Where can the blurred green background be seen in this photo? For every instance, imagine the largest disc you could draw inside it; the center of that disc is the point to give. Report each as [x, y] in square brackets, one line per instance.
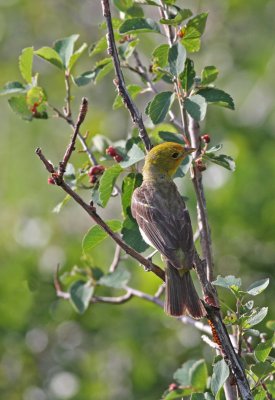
[130, 351]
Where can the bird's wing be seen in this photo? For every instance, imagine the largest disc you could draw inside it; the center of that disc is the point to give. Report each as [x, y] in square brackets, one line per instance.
[162, 216]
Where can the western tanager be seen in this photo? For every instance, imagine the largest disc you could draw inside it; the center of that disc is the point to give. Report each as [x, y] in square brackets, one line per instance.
[165, 224]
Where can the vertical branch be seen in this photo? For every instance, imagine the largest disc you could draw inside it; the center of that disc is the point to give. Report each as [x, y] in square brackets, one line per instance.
[120, 82]
[204, 228]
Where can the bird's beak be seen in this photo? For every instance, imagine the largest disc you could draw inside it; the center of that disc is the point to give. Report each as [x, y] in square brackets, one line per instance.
[189, 150]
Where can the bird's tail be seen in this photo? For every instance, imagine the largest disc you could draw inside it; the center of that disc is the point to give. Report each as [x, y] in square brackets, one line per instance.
[181, 296]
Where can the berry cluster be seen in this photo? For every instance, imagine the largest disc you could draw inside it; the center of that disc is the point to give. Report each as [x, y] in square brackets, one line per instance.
[112, 152]
[95, 172]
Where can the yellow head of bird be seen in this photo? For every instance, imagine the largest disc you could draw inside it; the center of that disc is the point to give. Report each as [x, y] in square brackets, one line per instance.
[166, 157]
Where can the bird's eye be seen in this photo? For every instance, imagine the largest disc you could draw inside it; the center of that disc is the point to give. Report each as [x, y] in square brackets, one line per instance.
[175, 155]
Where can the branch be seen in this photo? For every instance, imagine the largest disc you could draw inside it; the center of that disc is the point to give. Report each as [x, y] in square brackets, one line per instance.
[120, 82]
[204, 228]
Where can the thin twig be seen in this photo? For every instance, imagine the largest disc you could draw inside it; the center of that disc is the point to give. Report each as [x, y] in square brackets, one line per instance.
[67, 108]
[116, 259]
[80, 119]
[119, 81]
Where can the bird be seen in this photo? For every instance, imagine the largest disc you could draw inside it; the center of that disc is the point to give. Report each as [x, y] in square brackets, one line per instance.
[164, 223]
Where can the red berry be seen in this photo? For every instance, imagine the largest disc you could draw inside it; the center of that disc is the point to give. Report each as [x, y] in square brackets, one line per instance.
[118, 158]
[206, 138]
[93, 179]
[172, 386]
[96, 169]
[51, 181]
[111, 151]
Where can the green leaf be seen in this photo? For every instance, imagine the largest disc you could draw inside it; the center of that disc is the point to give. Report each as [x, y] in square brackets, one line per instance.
[123, 5]
[217, 97]
[160, 55]
[76, 55]
[171, 137]
[131, 235]
[101, 69]
[178, 18]
[133, 90]
[193, 31]
[219, 376]
[214, 149]
[96, 235]
[19, 105]
[80, 295]
[98, 47]
[199, 375]
[50, 55]
[65, 48]
[262, 350]
[160, 106]
[176, 59]
[192, 373]
[262, 369]
[135, 11]
[129, 184]
[209, 74]
[60, 205]
[188, 75]
[229, 282]
[139, 25]
[259, 394]
[25, 64]
[134, 155]
[196, 107]
[117, 279]
[107, 183]
[258, 287]
[256, 317]
[12, 87]
[222, 160]
[177, 394]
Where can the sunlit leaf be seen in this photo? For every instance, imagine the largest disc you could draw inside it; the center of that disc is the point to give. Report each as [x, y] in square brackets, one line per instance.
[176, 59]
[50, 55]
[25, 64]
[219, 376]
[258, 287]
[76, 55]
[209, 74]
[12, 87]
[262, 350]
[257, 316]
[134, 155]
[178, 18]
[65, 48]
[196, 107]
[107, 182]
[19, 105]
[96, 235]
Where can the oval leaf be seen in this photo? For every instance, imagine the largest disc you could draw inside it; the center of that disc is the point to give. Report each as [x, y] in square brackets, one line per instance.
[25, 64]
[65, 48]
[107, 183]
[196, 107]
[176, 59]
[129, 184]
[80, 295]
[258, 287]
[117, 279]
[160, 106]
[139, 25]
[220, 374]
[263, 349]
[217, 97]
[209, 74]
[96, 235]
[50, 55]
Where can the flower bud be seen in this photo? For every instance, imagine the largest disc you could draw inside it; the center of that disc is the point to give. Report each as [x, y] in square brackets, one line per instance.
[111, 151]
[206, 138]
[96, 170]
[51, 181]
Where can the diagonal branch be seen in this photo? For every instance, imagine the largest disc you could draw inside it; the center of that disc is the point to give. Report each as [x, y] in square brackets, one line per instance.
[120, 82]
